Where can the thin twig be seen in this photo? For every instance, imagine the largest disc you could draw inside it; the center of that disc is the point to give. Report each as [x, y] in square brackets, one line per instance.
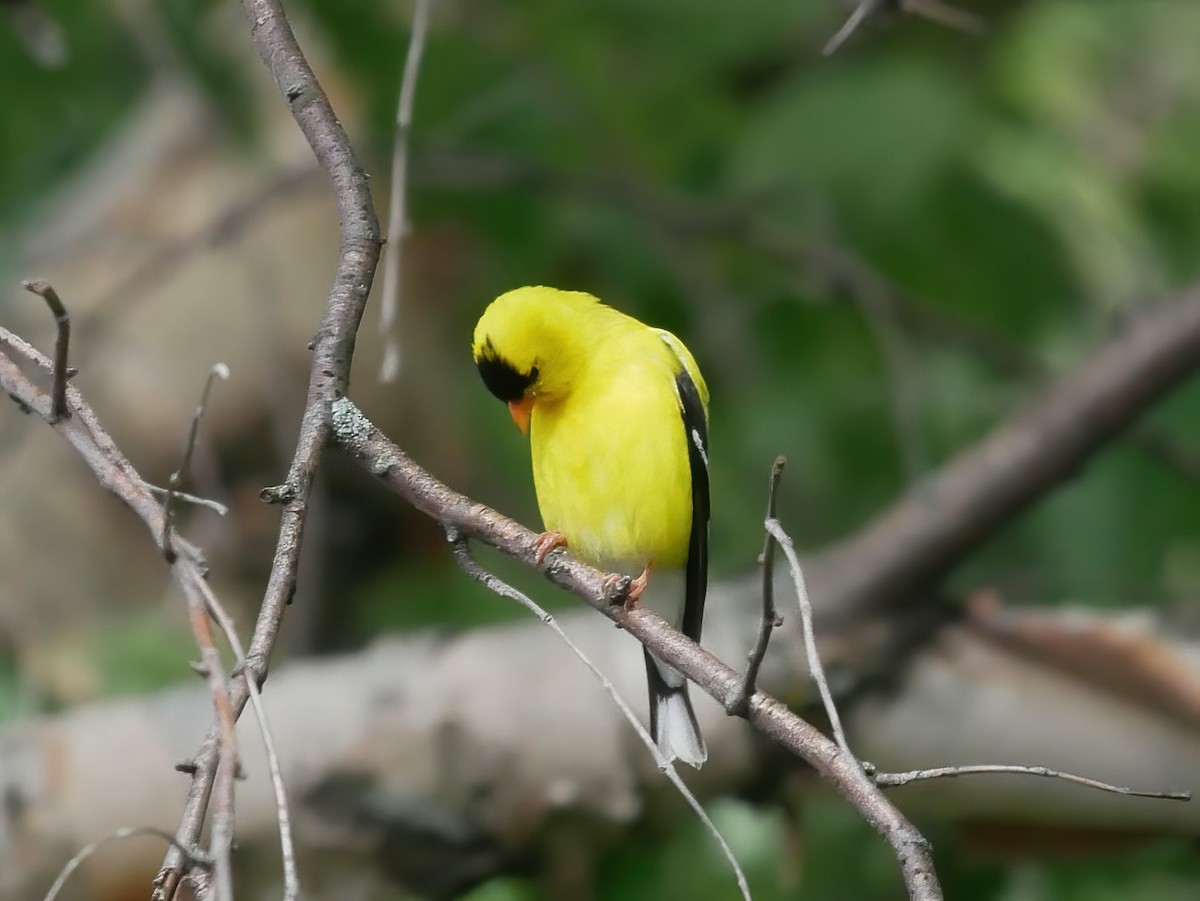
[771, 619]
[329, 374]
[287, 846]
[218, 371]
[291, 879]
[931, 10]
[860, 14]
[203, 603]
[462, 555]
[810, 642]
[114, 472]
[221, 840]
[889, 780]
[182, 496]
[58, 407]
[398, 224]
[195, 856]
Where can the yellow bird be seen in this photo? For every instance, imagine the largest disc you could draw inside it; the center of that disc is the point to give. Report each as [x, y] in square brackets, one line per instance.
[617, 416]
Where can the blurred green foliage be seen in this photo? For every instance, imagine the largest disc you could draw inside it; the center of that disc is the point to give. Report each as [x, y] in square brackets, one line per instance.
[54, 117]
[703, 167]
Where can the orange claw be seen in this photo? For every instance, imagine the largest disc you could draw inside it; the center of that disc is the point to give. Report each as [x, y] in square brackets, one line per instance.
[637, 586]
[545, 543]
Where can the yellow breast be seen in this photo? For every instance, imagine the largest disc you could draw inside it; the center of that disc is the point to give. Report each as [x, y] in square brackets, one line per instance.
[610, 460]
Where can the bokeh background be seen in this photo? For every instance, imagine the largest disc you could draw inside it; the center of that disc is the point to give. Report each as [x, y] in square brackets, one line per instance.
[874, 256]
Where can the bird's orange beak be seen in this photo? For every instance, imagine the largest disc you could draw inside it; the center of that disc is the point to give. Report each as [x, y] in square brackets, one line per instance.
[521, 410]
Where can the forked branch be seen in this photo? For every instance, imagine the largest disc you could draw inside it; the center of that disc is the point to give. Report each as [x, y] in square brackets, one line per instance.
[372, 450]
[332, 349]
[62, 346]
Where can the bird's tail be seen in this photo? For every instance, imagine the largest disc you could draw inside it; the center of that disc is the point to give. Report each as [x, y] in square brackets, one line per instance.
[672, 720]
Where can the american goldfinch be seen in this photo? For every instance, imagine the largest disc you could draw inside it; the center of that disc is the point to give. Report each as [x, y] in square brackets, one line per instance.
[617, 416]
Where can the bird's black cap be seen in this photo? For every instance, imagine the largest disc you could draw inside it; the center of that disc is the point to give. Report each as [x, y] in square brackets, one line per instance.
[501, 377]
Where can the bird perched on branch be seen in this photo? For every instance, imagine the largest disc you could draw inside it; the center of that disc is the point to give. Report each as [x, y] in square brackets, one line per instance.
[617, 415]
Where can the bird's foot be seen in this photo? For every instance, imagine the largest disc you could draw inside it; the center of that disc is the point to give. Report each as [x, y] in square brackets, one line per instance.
[615, 588]
[629, 594]
[545, 543]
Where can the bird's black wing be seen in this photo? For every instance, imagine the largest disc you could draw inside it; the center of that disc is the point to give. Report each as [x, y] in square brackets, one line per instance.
[695, 426]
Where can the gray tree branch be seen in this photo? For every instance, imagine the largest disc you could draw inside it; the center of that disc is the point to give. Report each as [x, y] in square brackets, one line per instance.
[333, 349]
[939, 521]
[371, 449]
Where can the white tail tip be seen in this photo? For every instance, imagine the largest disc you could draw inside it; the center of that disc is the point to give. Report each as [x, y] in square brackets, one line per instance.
[678, 733]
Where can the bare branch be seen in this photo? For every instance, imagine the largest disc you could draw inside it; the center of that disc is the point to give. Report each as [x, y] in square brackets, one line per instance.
[815, 669]
[481, 673]
[1104, 394]
[114, 472]
[291, 879]
[860, 14]
[398, 224]
[936, 523]
[367, 446]
[845, 274]
[83, 431]
[198, 596]
[889, 780]
[332, 351]
[218, 371]
[462, 555]
[1148, 360]
[334, 343]
[182, 496]
[771, 619]
[221, 840]
[933, 10]
[194, 856]
[58, 409]
[1015, 360]
[326, 409]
